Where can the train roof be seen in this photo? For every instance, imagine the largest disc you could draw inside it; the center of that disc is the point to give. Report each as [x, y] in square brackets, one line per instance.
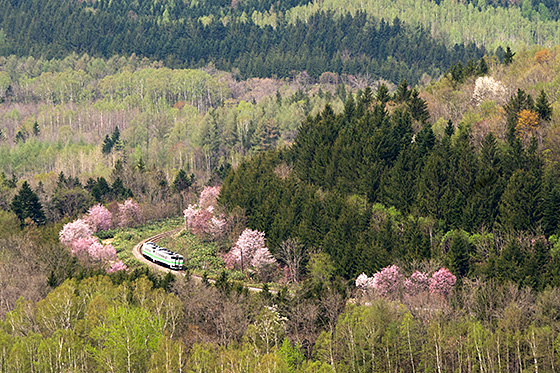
[161, 250]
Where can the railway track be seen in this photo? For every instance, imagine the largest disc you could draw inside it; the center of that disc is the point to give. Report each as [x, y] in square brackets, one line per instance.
[137, 252]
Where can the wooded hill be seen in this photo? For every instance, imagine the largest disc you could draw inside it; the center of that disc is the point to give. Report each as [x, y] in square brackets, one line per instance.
[185, 37]
[373, 185]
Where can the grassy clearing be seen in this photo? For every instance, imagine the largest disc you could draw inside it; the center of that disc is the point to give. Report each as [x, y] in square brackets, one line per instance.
[125, 240]
[200, 256]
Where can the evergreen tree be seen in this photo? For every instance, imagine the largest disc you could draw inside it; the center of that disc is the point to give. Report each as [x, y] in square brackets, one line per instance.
[341, 92]
[349, 108]
[536, 266]
[434, 192]
[116, 136]
[470, 68]
[382, 95]
[457, 73]
[182, 181]
[520, 203]
[482, 67]
[107, 145]
[508, 56]
[418, 107]
[402, 93]
[426, 139]
[449, 129]
[36, 129]
[26, 204]
[20, 136]
[459, 254]
[100, 190]
[482, 203]
[516, 103]
[551, 210]
[543, 107]
[119, 191]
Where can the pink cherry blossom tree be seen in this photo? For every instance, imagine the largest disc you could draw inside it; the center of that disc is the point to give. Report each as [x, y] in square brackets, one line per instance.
[91, 250]
[217, 226]
[75, 230]
[201, 221]
[189, 214]
[99, 218]
[103, 253]
[117, 266]
[81, 246]
[129, 213]
[442, 282]
[248, 243]
[417, 283]
[264, 263]
[387, 281]
[208, 196]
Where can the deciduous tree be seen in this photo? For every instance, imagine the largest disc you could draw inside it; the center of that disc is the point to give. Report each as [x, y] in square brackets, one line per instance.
[442, 282]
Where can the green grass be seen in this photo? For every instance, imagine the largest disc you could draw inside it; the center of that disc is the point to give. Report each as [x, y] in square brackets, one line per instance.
[199, 255]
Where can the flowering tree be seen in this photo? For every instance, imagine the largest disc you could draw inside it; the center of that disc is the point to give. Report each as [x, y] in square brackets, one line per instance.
[103, 253]
[200, 218]
[217, 227]
[99, 218]
[387, 281]
[208, 196]
[75, 230]
[248, 243]
[190, 213]
[487, 88]
[78, 235]
[90, 248]
[442, 282]
[418, 282]
[82, 246]
[117, 266]
[129, 213]
[201, 221]
[364, 283]
[264, 263]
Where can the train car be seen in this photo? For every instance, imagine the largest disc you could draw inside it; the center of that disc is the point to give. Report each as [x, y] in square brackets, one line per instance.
[162, 256]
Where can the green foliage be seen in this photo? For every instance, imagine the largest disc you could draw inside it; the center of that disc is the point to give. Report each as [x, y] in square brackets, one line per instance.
[182, 181]
[543, 107]
[26, 205]
[291, 354]
[508, 56]
[230, 40]
[127, 332]
[349, 164]
[200, 256]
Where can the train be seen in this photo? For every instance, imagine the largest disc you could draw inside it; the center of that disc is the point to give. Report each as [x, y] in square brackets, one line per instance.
[162, 256]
